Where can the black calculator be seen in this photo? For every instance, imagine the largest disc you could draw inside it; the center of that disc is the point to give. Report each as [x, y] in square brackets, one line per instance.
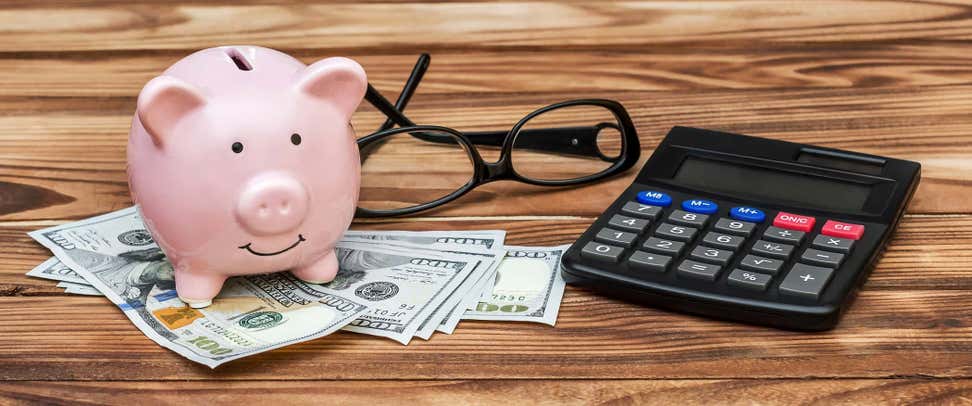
[745, 228]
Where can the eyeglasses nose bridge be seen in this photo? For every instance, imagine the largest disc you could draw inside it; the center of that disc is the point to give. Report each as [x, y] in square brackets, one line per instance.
[496, 171]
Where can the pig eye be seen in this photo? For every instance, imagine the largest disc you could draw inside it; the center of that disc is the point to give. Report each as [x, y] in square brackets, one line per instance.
[295, 139]
[237, 147]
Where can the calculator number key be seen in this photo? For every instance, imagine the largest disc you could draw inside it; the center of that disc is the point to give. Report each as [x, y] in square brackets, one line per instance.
[615, 237]
[729, 242]
[714, 255]
[826, 242]
[628, 223]
[698, 270]
[806, 281]
[671, 231]
[731, 226]
[667, 247]
[641, 210]
[602, 252]
[772, 249]
[688, 219]
[749, 280]
[760, 264]
[783, 235]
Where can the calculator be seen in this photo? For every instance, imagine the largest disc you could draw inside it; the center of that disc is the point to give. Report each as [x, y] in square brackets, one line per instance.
[744, 228]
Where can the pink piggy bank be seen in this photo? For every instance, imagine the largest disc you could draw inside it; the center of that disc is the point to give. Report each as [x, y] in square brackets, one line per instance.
[242, 160]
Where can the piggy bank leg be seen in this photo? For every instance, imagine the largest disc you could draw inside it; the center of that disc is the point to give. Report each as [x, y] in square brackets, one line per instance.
[321, 271]
[198, 289]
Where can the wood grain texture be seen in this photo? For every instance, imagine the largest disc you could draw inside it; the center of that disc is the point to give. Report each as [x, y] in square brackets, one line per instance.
[541, 392]
[904, 322]
[883, 77]
[90, 27]
[76, 147]
[122, 74]
[912, 260]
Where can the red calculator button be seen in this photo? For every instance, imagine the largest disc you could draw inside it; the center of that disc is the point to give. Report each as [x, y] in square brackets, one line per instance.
[842, 230]
[794, 221]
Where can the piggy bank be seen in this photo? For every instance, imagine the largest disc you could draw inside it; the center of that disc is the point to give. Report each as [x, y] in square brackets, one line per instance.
[242, 160]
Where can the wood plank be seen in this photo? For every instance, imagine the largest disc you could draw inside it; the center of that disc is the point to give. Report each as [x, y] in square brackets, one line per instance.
[903, 322]
[885, 334]
[743, 67]
[919, 244]
[543, 392]
[88, 27]
[64, 157]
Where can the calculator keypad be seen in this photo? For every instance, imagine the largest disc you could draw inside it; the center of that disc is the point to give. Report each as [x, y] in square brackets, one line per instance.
[702, 245]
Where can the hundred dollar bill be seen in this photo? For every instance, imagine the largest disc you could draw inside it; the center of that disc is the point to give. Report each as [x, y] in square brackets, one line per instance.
[484, 284]
[452, 305]
[252, 314]
[79, 289]
[486, 244]
[55, 270]
[461, 241]
[528, 287]
[401, 286]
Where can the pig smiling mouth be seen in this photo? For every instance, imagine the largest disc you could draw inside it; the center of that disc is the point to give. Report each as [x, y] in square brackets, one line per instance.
[300, 239]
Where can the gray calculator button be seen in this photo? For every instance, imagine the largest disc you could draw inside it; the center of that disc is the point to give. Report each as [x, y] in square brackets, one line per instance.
[628, 223]
[749, 279]
[641, 210]
[760, 264]
[714, 255]
[805, 281]
[688, 219]
[772, 249]
[698, 270]
[822, 258]
[612, 236]
[667, 247]
[671, 231]
[649, 261]
[826, 242]
[729, 242]
[731, 226]
[603, 252]
[783, 235]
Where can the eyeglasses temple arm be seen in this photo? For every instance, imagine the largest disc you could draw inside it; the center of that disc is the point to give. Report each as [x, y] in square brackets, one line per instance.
[385, 107]
[418, 71]
[579, 140]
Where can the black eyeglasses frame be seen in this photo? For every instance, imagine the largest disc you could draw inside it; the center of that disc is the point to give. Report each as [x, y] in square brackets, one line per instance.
[503, 169]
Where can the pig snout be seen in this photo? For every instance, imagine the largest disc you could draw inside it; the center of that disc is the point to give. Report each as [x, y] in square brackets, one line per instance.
[272, 204]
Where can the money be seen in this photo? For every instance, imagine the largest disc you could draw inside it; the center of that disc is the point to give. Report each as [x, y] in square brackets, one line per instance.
[79, 289]
[402, 287]
[392, 284]
[528, 287]
[460, 241]
[485, 243]
[252, 314]
[54, 269]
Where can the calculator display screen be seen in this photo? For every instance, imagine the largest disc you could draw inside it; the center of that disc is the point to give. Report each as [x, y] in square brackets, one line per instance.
[768, 184]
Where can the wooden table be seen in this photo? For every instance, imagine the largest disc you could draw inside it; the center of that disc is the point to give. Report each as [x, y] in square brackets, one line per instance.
[888, 78]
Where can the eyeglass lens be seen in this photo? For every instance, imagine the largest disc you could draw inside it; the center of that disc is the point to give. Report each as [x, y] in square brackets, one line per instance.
[567, 143]
[406, 170]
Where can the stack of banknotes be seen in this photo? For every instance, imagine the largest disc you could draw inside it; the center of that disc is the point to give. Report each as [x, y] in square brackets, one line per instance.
[392, 284]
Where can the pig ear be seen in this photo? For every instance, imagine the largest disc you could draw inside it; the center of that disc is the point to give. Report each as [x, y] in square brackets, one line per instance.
[163, 102]
[339, 81]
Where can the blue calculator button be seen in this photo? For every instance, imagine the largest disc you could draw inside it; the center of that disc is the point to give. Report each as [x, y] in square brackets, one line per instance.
[653, 198]
[700, 206]
[747, 214]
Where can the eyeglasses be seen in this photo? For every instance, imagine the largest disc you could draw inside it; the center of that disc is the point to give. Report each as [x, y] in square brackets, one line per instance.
[413, 168]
